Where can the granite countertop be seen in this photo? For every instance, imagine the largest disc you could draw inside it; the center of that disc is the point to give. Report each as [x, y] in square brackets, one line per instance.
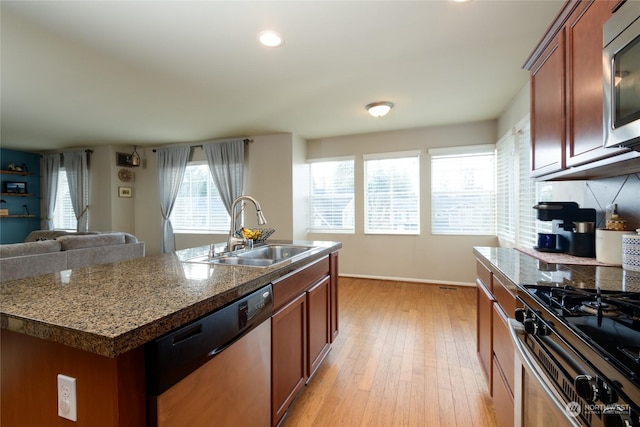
[523, 269]
[113, 308]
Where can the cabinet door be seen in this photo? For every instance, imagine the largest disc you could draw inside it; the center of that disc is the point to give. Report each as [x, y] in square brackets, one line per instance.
[485, 330]
[333, 261]
[584, 83]
[318, 323]
[548, 109]
[288, 355]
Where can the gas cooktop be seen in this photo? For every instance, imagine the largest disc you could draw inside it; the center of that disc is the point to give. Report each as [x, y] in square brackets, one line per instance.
[608, 321]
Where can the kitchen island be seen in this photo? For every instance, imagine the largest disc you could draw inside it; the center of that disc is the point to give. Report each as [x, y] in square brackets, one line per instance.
[92, 324]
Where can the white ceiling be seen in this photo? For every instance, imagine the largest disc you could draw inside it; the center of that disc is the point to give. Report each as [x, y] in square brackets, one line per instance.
[153, 72]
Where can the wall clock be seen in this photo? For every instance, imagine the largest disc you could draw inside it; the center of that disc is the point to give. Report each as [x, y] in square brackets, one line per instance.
[125, 175]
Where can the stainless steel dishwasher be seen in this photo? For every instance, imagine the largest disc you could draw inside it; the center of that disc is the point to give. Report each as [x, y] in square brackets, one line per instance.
[215, 371]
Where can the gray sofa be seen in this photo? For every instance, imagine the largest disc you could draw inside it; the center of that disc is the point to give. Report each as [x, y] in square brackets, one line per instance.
[49, 251]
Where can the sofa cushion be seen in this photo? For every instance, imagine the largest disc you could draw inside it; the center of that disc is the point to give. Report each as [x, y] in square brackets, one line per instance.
[38, 235]
[31, 248]
[103, 254]
[89, 241]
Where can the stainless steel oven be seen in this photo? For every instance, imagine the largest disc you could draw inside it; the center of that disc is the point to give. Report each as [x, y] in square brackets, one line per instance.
[537, 401]
[577, 357]
[621, 77]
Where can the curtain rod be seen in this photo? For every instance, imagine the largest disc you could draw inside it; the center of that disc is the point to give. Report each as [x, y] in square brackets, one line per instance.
[246, 141]
[70, 151]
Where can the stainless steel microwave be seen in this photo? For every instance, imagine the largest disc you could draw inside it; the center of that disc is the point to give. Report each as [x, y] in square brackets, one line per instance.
[621, 77]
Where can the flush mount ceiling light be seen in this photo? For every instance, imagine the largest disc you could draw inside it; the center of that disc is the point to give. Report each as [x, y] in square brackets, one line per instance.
[379, 109]
[270, 39]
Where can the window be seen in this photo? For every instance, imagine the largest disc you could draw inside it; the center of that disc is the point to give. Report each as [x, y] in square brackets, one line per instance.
[463, 190]
[198, 206]
[331, 207]
[528, 190]
[63, 216]
[517, 192]
[392, 193]
[507, 179]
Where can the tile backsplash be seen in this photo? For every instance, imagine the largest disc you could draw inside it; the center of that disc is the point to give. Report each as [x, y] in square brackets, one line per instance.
[597, 194]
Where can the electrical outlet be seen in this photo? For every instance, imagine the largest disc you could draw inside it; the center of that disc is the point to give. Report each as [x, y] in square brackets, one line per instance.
[67, 404]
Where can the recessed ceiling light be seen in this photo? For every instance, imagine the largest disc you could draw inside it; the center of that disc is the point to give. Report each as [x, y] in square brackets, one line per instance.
[270, 38]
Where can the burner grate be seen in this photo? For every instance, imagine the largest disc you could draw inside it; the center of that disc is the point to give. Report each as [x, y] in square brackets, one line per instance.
[578, 302]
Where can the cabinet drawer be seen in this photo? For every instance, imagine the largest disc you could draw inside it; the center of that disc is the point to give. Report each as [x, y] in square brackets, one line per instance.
[502, 399]
[503, 347]
[484, 274]
[298, 281]
[504, 296]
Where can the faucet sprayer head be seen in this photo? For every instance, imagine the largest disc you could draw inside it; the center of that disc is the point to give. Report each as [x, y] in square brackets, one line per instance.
[261, 219]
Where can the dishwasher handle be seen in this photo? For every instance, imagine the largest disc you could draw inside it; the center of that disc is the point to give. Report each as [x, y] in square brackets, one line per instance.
[213, 353]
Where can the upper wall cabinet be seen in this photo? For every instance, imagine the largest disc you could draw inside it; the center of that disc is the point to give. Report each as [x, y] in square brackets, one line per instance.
[566, 95]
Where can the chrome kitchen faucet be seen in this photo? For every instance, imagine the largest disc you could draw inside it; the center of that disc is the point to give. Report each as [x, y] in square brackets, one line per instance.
[234, 242]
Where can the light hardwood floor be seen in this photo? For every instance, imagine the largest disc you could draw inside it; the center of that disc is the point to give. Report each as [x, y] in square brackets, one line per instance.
[405, 356]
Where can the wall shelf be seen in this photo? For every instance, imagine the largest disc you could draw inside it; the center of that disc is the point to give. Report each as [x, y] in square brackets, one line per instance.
[17, 194]
[22, 209]
[15, 173]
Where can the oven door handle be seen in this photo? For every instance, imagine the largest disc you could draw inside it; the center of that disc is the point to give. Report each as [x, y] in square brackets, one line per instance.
[515, 330]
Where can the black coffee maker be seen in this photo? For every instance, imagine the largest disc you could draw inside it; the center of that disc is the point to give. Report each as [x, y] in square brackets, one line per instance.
[574, 227]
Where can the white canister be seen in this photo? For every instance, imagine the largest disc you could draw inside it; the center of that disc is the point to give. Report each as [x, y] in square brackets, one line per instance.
[631, 251]
[609, 246]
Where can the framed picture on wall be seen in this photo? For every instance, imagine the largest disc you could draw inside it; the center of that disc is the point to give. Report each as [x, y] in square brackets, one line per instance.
[123, 159]
[125, 192]
[15, 187]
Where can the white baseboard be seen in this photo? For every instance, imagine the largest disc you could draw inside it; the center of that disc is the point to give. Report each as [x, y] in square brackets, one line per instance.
[408, 279]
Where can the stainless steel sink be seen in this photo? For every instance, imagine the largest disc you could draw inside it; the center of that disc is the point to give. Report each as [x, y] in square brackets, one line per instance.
[274, 252]
[262, 256]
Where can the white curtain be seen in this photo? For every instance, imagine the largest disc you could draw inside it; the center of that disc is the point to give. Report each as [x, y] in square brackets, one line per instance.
[50, 171]
[172, 163]
[226, 164]
[78, 177]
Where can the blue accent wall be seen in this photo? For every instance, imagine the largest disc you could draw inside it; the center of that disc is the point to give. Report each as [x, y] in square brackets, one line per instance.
[14, 230]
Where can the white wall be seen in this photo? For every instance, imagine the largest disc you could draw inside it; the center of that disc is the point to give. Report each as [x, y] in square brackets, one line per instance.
[518, 108]
[270, 181]
[427, 257]
[147, 202]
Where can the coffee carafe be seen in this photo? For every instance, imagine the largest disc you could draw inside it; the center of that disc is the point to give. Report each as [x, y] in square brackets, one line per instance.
[573, 227]
[582, 239]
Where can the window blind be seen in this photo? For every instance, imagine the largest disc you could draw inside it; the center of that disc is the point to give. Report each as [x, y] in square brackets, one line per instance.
[392, 193]
[527, 236]
[463, 190]
[506, 186]
[331, 196]
[63, 216]
[198, 206]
